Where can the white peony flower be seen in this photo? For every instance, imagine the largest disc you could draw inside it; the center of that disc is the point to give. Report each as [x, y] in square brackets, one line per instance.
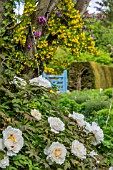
[13, 140]
[79, 118]
[92, 153]
[1, 145]
[111, 168]
[56, 124]
[78, 149]
[35, 113]
[97, 131]
[87, 127]
[4, 162]
[55, 153]
[40, 81]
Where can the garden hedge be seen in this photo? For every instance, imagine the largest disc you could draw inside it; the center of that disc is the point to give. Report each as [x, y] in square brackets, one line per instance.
[90, 75]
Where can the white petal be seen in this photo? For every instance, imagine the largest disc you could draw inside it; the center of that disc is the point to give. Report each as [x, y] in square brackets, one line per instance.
[4, 162]
[11, 153]
[1, 144]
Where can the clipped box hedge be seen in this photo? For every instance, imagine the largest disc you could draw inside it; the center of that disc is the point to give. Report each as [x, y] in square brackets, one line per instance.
[90, 75]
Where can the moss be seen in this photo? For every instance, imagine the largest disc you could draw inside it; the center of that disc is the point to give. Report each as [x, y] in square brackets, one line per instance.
[108, 79]
[96, 71]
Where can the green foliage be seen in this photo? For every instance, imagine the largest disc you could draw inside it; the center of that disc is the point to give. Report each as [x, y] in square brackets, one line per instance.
[86, 101]
[15, 111]
[103, 37]
[103, 57]
[95, 105]
[108, 10]
[81, 99]
[101, 117]
[98, 26]
[18, 101]
[98, 105]
[63, 59]
[108, 92]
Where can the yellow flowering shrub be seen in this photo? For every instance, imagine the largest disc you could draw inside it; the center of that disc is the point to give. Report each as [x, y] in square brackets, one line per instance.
[65, 27]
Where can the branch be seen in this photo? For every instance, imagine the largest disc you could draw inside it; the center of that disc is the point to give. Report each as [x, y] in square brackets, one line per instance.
[52, 5]
[82, 5]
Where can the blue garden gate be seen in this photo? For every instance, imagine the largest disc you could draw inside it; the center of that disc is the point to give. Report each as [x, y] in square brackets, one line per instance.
[59, 81]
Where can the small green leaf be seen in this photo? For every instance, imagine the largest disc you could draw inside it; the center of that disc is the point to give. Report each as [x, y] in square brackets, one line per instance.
[1, 155]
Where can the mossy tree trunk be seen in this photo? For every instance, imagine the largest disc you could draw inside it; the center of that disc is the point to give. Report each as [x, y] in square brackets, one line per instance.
[45, 9]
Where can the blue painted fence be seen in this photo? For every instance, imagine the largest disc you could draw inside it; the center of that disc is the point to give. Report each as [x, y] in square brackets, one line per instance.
[60, 81]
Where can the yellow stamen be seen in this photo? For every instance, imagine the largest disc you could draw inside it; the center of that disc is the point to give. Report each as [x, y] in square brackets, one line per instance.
[12, 138]
[57, 153]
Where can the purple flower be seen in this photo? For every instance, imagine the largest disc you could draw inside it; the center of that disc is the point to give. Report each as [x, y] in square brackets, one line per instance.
[59, 14]
[39, 19]
[34, 33]
[29, 46]
[84, 17]
[86, 12]
[100, 15]
[42, 19]
[39, 34]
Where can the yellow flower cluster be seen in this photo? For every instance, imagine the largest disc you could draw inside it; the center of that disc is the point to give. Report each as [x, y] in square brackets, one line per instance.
[48, 70]
[19, 35]
[29, 8]
[44, 51]
[68, 29]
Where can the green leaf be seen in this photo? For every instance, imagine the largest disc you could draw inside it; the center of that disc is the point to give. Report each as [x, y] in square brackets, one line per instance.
[17, 163]
[12, 168]
[3, 30]
[7, 5]
[4, 22]
[6, 38]
[16, 101]
[2, 154]
[6, 13]
[25, 101]
[67, 165]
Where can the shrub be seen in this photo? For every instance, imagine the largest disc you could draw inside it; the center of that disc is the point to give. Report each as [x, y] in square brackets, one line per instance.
[108, 92]
[39, 132]
[69, 103]
[81, 99]
[95, 105]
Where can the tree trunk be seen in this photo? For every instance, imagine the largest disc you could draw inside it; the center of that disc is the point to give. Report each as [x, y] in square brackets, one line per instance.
[44, 9]
[82, 5]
